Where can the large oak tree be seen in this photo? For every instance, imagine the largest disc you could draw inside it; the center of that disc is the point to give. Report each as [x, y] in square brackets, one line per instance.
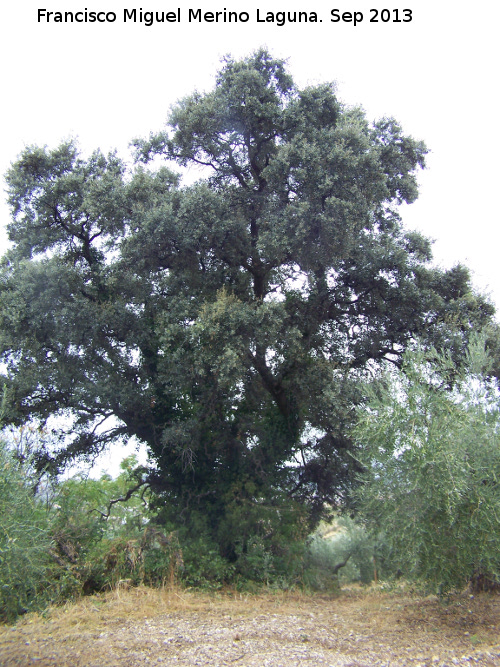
[223, 323]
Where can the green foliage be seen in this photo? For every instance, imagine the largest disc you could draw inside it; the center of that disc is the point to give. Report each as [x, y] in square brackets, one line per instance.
[225, 324]
[132, 557]
[432, 469]
[78, 540]
[265, 541]
[204, 567]
[99, 540]
[253, 543]
[345, 552]
[26, 568]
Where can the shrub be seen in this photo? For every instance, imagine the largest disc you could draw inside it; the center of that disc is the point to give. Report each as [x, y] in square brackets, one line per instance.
[204, 567]
[26, 566]
[345, 552]
[98, 540]
[432, 480]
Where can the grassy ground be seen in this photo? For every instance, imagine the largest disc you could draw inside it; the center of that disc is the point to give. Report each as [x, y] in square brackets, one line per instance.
[358, 627]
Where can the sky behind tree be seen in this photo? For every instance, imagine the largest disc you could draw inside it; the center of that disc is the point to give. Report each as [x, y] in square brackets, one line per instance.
[106, 83]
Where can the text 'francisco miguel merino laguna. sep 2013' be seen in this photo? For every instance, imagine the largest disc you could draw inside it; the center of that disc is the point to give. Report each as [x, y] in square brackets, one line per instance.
[197, 15]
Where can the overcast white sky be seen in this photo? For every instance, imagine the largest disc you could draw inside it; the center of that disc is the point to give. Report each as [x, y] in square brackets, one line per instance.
[438, 75]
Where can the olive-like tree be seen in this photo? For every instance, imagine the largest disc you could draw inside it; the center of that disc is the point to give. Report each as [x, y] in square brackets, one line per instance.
[432, 468]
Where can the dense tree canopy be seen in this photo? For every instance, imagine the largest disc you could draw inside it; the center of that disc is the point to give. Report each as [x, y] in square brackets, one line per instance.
[223, 323]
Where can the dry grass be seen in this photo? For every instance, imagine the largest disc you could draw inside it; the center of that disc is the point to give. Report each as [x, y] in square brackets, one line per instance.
[131, 627]
[136, 604]
[91, 614]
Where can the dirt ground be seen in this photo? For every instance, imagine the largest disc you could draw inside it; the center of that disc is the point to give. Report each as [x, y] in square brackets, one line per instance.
[174, 627]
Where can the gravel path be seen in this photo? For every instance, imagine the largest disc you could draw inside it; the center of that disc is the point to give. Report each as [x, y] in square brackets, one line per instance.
[358, 631]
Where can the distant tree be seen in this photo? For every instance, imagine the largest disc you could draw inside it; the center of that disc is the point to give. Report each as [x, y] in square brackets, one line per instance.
[225, 324]
[431, 481]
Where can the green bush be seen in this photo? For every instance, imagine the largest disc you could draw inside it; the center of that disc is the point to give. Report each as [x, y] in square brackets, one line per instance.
[432, 480]
[265, 541]
[204, 567]
[346, 543]
[101, 541]
[151, 557]
[245, 540]
[27, 569]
